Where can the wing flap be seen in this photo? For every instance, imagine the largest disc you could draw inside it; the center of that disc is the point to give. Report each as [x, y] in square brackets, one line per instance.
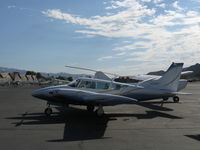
[181, 93]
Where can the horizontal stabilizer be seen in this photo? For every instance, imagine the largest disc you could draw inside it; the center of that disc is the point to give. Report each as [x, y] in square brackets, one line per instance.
[181, 93]
[186, 72]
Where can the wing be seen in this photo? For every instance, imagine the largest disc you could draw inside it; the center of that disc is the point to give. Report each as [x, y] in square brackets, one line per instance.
[145, 77]
[87, 97]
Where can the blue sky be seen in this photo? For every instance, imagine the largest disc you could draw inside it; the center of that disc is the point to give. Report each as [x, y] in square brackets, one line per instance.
[121, 36]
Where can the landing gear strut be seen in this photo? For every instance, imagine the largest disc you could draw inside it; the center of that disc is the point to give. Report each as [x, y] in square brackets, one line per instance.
[164, 99]
[176, 99]
[48, 111]
[100, 111]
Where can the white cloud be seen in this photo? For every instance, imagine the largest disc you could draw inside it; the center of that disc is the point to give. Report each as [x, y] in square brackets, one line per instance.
[126, 41]
[120, 54]
[198, 1]
[157, 1]
[105, 58]
[104, 25]
[116, 25]
[181, 46]
[163, 37]
[154, 1]
[163, 5]
[146, 0]
[175, 5]
[124, 3]
[172, 18]
[11, 6]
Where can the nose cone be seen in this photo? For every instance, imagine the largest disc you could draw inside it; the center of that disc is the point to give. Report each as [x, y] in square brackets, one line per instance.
[37, 93]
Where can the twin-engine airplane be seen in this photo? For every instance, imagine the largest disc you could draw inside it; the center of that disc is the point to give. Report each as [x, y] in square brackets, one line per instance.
[93, 92]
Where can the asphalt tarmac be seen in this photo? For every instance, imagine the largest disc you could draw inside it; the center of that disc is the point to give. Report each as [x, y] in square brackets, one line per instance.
[23, 126]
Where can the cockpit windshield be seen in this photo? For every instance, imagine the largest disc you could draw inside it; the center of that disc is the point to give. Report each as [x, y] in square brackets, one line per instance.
[74, 83]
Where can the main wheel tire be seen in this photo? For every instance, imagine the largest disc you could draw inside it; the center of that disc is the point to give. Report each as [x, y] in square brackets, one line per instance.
[176, 99]
[90, 108]
[48, 111]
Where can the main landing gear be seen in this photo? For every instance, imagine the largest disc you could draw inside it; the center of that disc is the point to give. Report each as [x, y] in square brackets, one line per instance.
[176, 99]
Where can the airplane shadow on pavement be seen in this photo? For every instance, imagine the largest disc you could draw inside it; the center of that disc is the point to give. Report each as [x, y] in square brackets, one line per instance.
[80, 124]
[195, 137]
[155, 105]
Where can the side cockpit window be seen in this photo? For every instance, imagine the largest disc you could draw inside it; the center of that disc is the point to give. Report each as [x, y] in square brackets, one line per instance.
[102, 85]
[87, 84]
[116, 86]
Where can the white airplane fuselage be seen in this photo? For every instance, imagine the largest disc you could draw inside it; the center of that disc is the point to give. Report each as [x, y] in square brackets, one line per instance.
[96, 92]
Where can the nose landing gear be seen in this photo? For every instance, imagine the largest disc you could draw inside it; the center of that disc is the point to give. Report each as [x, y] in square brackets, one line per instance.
[90, 108]
[99, 112]
[48, 111]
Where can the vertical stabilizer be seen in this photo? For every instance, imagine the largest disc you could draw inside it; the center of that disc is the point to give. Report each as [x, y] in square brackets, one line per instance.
[169, 81]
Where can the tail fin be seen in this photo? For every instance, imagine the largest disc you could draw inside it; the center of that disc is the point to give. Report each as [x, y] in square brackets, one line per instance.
[170, 80]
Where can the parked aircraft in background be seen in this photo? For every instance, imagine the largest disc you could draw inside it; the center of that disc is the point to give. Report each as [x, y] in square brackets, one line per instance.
[93, 92]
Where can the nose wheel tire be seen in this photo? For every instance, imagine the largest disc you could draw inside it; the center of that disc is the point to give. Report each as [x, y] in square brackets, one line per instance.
[176, 99]
[48, 111]
[99, 112]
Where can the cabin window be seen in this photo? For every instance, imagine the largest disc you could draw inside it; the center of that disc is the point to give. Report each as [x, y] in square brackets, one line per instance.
[116, 86]
[87, 84]
[102, 85]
